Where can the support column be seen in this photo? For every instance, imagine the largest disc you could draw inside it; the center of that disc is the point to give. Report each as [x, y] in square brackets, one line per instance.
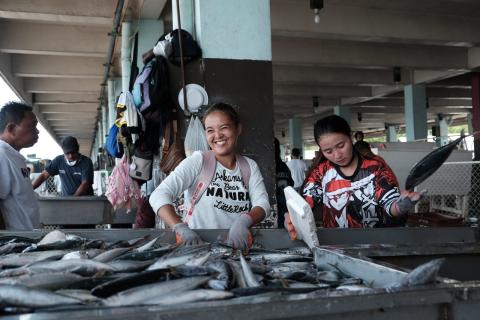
[149, 31]
[111, 102]
[415, 112]
[443, 132]
[343, 112]
[295, 136]
[104, 122]
[237, 68]
[391, 133]
[476, 113]
[126, 54]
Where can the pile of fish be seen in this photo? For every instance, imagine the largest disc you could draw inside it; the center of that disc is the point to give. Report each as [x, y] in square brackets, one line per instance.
[67, 270]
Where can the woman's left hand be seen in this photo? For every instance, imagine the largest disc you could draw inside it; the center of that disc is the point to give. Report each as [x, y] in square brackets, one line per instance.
[407, 201]
[239, 236]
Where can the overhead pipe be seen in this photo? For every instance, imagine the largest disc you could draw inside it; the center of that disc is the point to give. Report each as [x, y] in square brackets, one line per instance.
[111, 48]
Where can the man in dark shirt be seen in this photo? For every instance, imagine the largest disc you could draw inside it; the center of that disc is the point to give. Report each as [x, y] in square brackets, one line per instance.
[75, 170]
[283, 178]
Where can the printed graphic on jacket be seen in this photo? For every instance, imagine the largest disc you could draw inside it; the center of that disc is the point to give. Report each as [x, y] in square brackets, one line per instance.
[229, 193]
[363, 200]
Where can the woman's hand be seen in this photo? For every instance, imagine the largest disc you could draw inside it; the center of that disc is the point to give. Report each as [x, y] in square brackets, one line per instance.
[185, 235]
[239, 236]
[288, 225]
[407, 201]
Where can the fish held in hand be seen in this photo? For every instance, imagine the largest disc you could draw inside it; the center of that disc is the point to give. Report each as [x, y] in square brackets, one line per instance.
[430, 163]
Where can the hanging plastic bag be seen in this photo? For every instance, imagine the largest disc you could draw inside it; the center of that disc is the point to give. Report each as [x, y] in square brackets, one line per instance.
[122, 190]
[195, 139]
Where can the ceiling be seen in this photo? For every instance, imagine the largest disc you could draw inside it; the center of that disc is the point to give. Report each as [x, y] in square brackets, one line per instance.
[54, 53]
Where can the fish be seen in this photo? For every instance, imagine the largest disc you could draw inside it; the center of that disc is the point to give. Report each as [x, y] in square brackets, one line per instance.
[225, 279]
[190, 296]
[355, 288]
[53, 237]
[49, 280]
[148, 245]
[294, 270]
[83, 295]
[21, 296]
[129, 265]
[21, 259]
[182, 255]
[111, 254]
[82, 254]
[430, 163]
[112, 286]
[10, 247]
[273, 258]
[83, 267]
[249, 276]
[139, 295]
[423, 274]
[146, 255]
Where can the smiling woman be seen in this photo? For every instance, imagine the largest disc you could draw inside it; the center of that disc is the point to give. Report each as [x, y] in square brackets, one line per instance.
[46, 147]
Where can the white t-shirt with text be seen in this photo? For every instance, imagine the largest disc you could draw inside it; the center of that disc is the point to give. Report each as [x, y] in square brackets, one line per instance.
[225, 199]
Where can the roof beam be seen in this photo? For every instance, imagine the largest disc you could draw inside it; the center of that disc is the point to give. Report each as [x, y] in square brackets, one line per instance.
[62, 86]
[321, 91]
[289, 18]
[57, 67]
[361, 54]
[62, 99]
[335, 76]
[53, 39]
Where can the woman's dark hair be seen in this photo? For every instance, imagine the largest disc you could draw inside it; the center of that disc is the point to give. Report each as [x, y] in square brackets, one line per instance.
[226, 108]
[331, 124]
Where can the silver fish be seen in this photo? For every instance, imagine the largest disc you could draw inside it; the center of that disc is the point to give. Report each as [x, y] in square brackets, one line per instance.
[82, 254]
[52, 237]
[359, 288]
[278, 258]
[111, 254]
[129, 265]
[423, 274]
[224, 279]
[82, 295]
[50, 281]
[79, 266]
[139, 295]
[21, 296]
[249, 276]
[190, 296]
[149, 245]
[21, 259]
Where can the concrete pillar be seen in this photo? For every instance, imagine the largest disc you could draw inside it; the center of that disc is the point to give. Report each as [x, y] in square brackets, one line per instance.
[469, 123]
[104, 121]
[415, 112]
[391, 133]
[443, 132]
[126, 54]
[111, 102]
[237, 68]
[476, 113]
[343, 112]
[295, 136]
[149, 31]
[187, 15]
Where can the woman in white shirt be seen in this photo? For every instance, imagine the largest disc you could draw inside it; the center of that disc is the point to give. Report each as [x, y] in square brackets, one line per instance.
[226, 203]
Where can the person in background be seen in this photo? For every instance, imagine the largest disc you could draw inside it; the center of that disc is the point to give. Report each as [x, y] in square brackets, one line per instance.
[297, 167]
[283, 178]
[358, 136]
[352, 190]
[226, 203]
[363, 148]
[18, 203]
[75, 170]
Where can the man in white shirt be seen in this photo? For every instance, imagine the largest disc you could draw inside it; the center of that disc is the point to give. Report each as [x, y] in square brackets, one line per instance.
[297, 167]
[18, 203]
